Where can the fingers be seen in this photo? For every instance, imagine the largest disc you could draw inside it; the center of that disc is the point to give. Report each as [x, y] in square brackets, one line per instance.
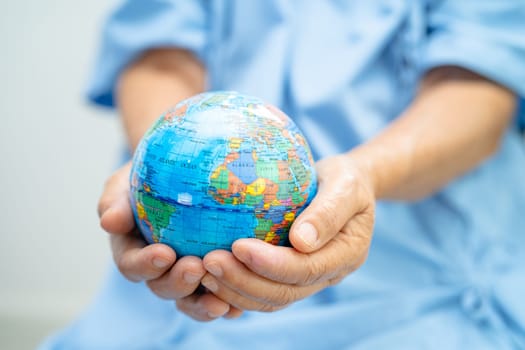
[232, 297]
[337, 201]
[113, 208]
[331, 239]
[232, 282]
[263, 277]
[203, 307]
[139, 262]
[340, 256]
[154, 263]
[181, 280]
[181, 284]
[282, 264]
[233, 313]
[135, 260]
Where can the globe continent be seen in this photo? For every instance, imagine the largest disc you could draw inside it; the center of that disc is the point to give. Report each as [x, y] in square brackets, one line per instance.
[217, 167]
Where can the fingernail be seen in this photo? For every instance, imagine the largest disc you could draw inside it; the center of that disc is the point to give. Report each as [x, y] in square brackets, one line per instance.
[241, 252]
[213, 315]
[104, 215]
[105, 212]
[191, 278]
[210, 284]
[214, 269]
[160, 263]
[308, 234]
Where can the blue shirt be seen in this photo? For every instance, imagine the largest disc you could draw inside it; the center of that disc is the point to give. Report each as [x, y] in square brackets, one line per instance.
[447, 272]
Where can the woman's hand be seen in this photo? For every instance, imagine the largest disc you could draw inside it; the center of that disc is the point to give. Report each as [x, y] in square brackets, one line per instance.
[330, 239]
[417, 154]
[156, 264]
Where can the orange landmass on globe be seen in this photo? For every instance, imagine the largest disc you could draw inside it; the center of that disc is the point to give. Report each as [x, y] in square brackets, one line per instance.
[176, 113]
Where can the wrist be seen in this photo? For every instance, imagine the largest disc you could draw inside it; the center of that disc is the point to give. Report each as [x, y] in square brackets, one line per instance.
[363, 168]
[384, 168]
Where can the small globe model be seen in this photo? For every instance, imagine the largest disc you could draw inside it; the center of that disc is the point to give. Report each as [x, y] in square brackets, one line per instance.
[217, 167]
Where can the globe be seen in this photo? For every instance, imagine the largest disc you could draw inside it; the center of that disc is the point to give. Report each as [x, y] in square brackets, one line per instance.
[217, 167]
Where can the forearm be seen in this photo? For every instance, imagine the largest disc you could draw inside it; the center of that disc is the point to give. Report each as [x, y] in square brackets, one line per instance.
[456, 121]
[153, 83]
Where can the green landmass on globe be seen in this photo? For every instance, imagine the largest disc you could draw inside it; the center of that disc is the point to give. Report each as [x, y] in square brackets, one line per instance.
[217, 167]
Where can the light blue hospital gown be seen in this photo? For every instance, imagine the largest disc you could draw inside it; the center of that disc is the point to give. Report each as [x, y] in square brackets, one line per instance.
[447, 272]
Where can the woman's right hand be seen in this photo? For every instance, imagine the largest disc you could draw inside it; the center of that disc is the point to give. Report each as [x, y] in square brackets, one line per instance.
[155, 264]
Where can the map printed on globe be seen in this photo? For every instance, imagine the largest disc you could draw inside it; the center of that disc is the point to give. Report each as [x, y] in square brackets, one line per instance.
[217, 167]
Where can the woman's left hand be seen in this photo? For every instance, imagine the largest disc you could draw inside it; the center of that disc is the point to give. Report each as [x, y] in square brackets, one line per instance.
[330, 240]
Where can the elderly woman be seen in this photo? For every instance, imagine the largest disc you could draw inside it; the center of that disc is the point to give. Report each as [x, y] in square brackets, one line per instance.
[409, 107]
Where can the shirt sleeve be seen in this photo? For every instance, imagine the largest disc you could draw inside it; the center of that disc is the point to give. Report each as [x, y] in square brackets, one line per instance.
[138, 25]
[485, 36]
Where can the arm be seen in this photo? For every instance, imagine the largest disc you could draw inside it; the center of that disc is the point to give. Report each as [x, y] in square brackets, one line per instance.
[456, 121]
[152, 84]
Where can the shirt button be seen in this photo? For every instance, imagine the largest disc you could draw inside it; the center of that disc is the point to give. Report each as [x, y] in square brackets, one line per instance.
[471, 300]
[476, 305]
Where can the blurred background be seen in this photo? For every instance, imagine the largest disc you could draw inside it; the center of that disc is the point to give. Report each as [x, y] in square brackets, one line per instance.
[56, 152]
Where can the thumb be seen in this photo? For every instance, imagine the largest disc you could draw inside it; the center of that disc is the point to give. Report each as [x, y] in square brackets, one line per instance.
[113, 207]
[334, 205]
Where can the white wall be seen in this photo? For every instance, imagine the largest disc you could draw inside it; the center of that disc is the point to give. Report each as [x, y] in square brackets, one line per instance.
[55, 153]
